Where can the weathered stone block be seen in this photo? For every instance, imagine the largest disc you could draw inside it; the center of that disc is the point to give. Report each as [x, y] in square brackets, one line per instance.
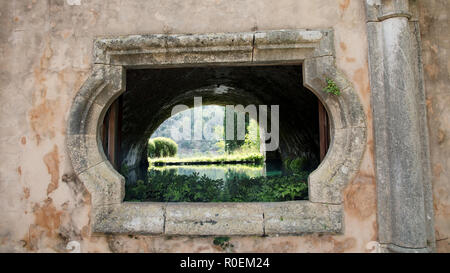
[130, 218]
[325, 183]
[285, 45]
[393, 8]
[315, 73]
[326, 44]
[86, 114]
[355, 113]
[297, 217]
[84, 152]
[78, 121]
[341, 162]
[335, 109]
[105, 83]
[214, 219]
[105, 185]
[138, 50]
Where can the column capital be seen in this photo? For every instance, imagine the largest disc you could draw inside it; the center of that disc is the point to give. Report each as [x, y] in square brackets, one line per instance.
[380, 10]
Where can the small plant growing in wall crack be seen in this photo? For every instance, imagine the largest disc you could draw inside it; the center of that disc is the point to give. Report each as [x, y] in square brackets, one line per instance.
[224, 243]
[332, 88]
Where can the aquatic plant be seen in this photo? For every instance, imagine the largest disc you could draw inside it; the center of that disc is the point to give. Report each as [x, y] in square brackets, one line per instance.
[170, 187]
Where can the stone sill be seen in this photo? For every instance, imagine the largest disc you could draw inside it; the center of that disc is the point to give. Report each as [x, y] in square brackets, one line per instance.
[203, 219]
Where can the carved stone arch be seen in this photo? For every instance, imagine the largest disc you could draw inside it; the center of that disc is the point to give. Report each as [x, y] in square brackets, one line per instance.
[348, 131]
[314, 49]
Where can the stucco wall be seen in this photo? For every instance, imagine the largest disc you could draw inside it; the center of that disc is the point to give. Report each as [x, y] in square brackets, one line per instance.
[46, 54]
[435, 33]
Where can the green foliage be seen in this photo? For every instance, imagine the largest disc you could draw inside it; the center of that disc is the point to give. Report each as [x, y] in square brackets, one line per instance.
[136, 193]
[166, 186]
[163, 147]
[223, 242]
[169, 187]
[124, 170]
[332, 88]
[297, 165]
[255, 158]
[251, 141]
[287, 164]
[219, 133]
[267, 189]
[151, 148]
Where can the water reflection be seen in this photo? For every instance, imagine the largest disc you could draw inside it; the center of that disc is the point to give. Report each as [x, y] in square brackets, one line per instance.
[226, 172]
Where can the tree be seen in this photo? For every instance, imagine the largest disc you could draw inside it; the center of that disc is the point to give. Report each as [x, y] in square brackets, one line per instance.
[162, 147]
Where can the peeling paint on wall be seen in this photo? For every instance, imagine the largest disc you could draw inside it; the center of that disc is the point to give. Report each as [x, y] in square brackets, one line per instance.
[51, 160]
[433, 19]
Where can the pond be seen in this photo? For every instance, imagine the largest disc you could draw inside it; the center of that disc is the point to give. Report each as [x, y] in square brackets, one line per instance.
[226, 172]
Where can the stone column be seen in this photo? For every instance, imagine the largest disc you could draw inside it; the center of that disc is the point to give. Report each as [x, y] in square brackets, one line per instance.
[401, 145]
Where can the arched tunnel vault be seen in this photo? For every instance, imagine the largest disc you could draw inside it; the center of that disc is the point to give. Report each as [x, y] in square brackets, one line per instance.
[114, 56]
[152, 93]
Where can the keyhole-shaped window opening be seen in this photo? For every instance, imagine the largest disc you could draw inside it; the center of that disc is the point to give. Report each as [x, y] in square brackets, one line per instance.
[199, 164]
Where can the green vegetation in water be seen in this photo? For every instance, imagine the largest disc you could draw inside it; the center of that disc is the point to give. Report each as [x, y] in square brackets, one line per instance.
[332, 88]
[170, 187]
[217, 171]
[254, 158]
[199, 168]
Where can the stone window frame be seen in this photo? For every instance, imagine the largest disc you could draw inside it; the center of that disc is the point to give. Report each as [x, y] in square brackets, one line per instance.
[314, 49]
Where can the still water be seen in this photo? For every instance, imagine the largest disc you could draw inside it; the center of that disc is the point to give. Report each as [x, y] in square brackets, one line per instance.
[225, 172]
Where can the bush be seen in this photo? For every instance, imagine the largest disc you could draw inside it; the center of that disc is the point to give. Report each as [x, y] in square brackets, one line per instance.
[286, 164]
[166, 186]
[268, 189]
[163, 147]
[297, 165]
